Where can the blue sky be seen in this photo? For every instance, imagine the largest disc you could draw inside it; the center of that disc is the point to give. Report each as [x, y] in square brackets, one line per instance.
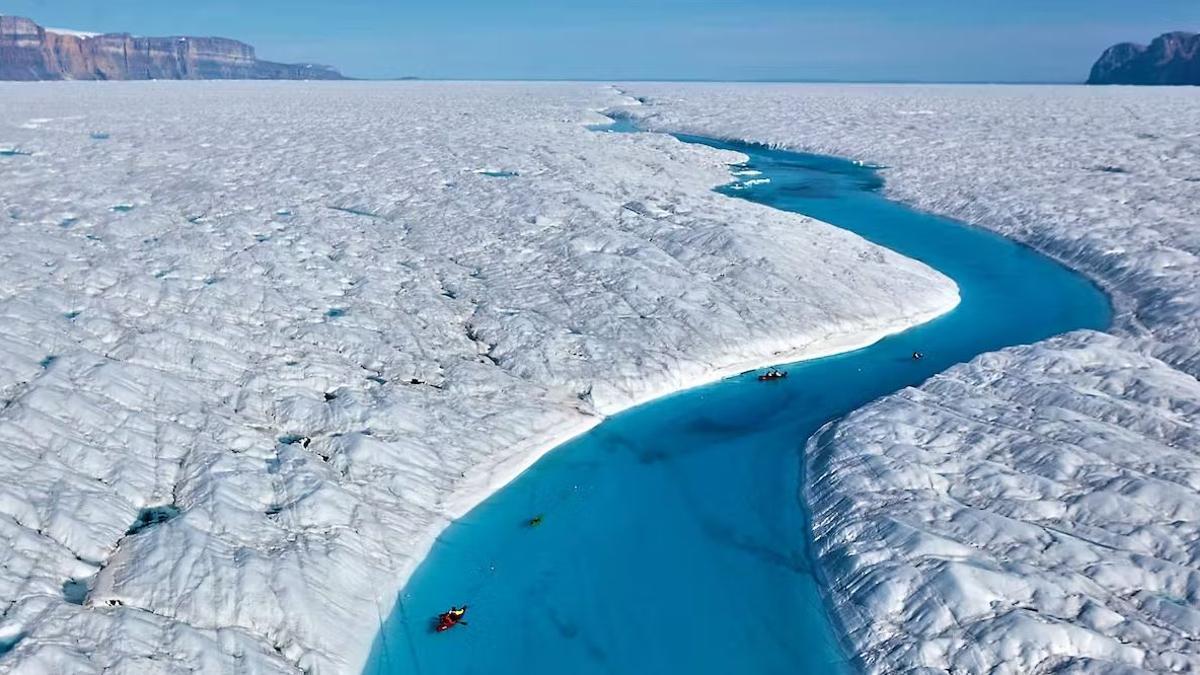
[927, 40]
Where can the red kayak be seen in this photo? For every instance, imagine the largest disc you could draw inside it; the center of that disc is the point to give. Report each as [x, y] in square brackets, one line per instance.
[448, 620]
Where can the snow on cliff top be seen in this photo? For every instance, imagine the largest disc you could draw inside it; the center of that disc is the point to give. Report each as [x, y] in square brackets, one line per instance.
[261, 341]
[75, 33]
[1035, 510]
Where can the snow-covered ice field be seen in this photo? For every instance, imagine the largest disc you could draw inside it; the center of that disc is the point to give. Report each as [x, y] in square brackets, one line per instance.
[260, 342]
[1035, 510]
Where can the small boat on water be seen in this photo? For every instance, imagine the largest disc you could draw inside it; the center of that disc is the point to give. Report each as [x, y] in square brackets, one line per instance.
[772, 374]
[450, 619]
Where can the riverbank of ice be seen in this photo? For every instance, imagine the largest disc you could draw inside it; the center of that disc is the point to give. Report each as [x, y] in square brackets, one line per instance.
[263, 340]
[1026, 512]
[1031, 511]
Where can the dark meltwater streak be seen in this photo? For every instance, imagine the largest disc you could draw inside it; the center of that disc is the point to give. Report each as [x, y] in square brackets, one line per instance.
[674, 537]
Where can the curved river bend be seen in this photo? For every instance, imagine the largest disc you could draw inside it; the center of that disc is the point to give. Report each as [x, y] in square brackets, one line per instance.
[674, 536]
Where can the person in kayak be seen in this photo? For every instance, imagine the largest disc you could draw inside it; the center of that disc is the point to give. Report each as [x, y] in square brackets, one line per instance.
[451, 618]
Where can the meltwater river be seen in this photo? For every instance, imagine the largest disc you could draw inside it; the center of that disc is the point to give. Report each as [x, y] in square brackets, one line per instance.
[674, 536]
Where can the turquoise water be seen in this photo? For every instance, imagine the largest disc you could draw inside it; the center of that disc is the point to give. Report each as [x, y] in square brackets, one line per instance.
[674, 537]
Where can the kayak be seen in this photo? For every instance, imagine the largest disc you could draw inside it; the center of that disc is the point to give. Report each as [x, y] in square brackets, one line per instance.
[447, 621]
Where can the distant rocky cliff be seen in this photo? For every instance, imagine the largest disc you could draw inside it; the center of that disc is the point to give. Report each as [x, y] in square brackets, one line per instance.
[31, 52]
[1173, 58]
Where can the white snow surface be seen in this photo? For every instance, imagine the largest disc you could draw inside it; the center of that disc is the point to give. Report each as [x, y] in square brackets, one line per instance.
[297, 313]
[1035, 510]
[74, 33]
[1032, 511]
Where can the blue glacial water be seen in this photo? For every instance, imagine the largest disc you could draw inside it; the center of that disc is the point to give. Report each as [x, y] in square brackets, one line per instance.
[674, 536]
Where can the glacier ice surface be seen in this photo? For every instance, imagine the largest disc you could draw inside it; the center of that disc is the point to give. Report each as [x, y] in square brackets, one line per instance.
[262, 343]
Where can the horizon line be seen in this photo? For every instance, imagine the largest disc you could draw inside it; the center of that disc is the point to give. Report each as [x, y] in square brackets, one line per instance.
[414, 78]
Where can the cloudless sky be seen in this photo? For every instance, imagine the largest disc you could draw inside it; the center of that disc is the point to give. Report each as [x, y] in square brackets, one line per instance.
[924, 40]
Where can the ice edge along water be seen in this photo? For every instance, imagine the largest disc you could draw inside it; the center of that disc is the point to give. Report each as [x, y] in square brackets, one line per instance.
[839, 344]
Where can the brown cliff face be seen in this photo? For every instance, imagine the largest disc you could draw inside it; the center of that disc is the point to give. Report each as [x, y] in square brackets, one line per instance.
[1171, 59]
[22, 55]
[30, 52]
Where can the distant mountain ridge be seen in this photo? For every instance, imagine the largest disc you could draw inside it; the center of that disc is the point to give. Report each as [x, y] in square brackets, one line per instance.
[30, 52]
[1172, 58]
